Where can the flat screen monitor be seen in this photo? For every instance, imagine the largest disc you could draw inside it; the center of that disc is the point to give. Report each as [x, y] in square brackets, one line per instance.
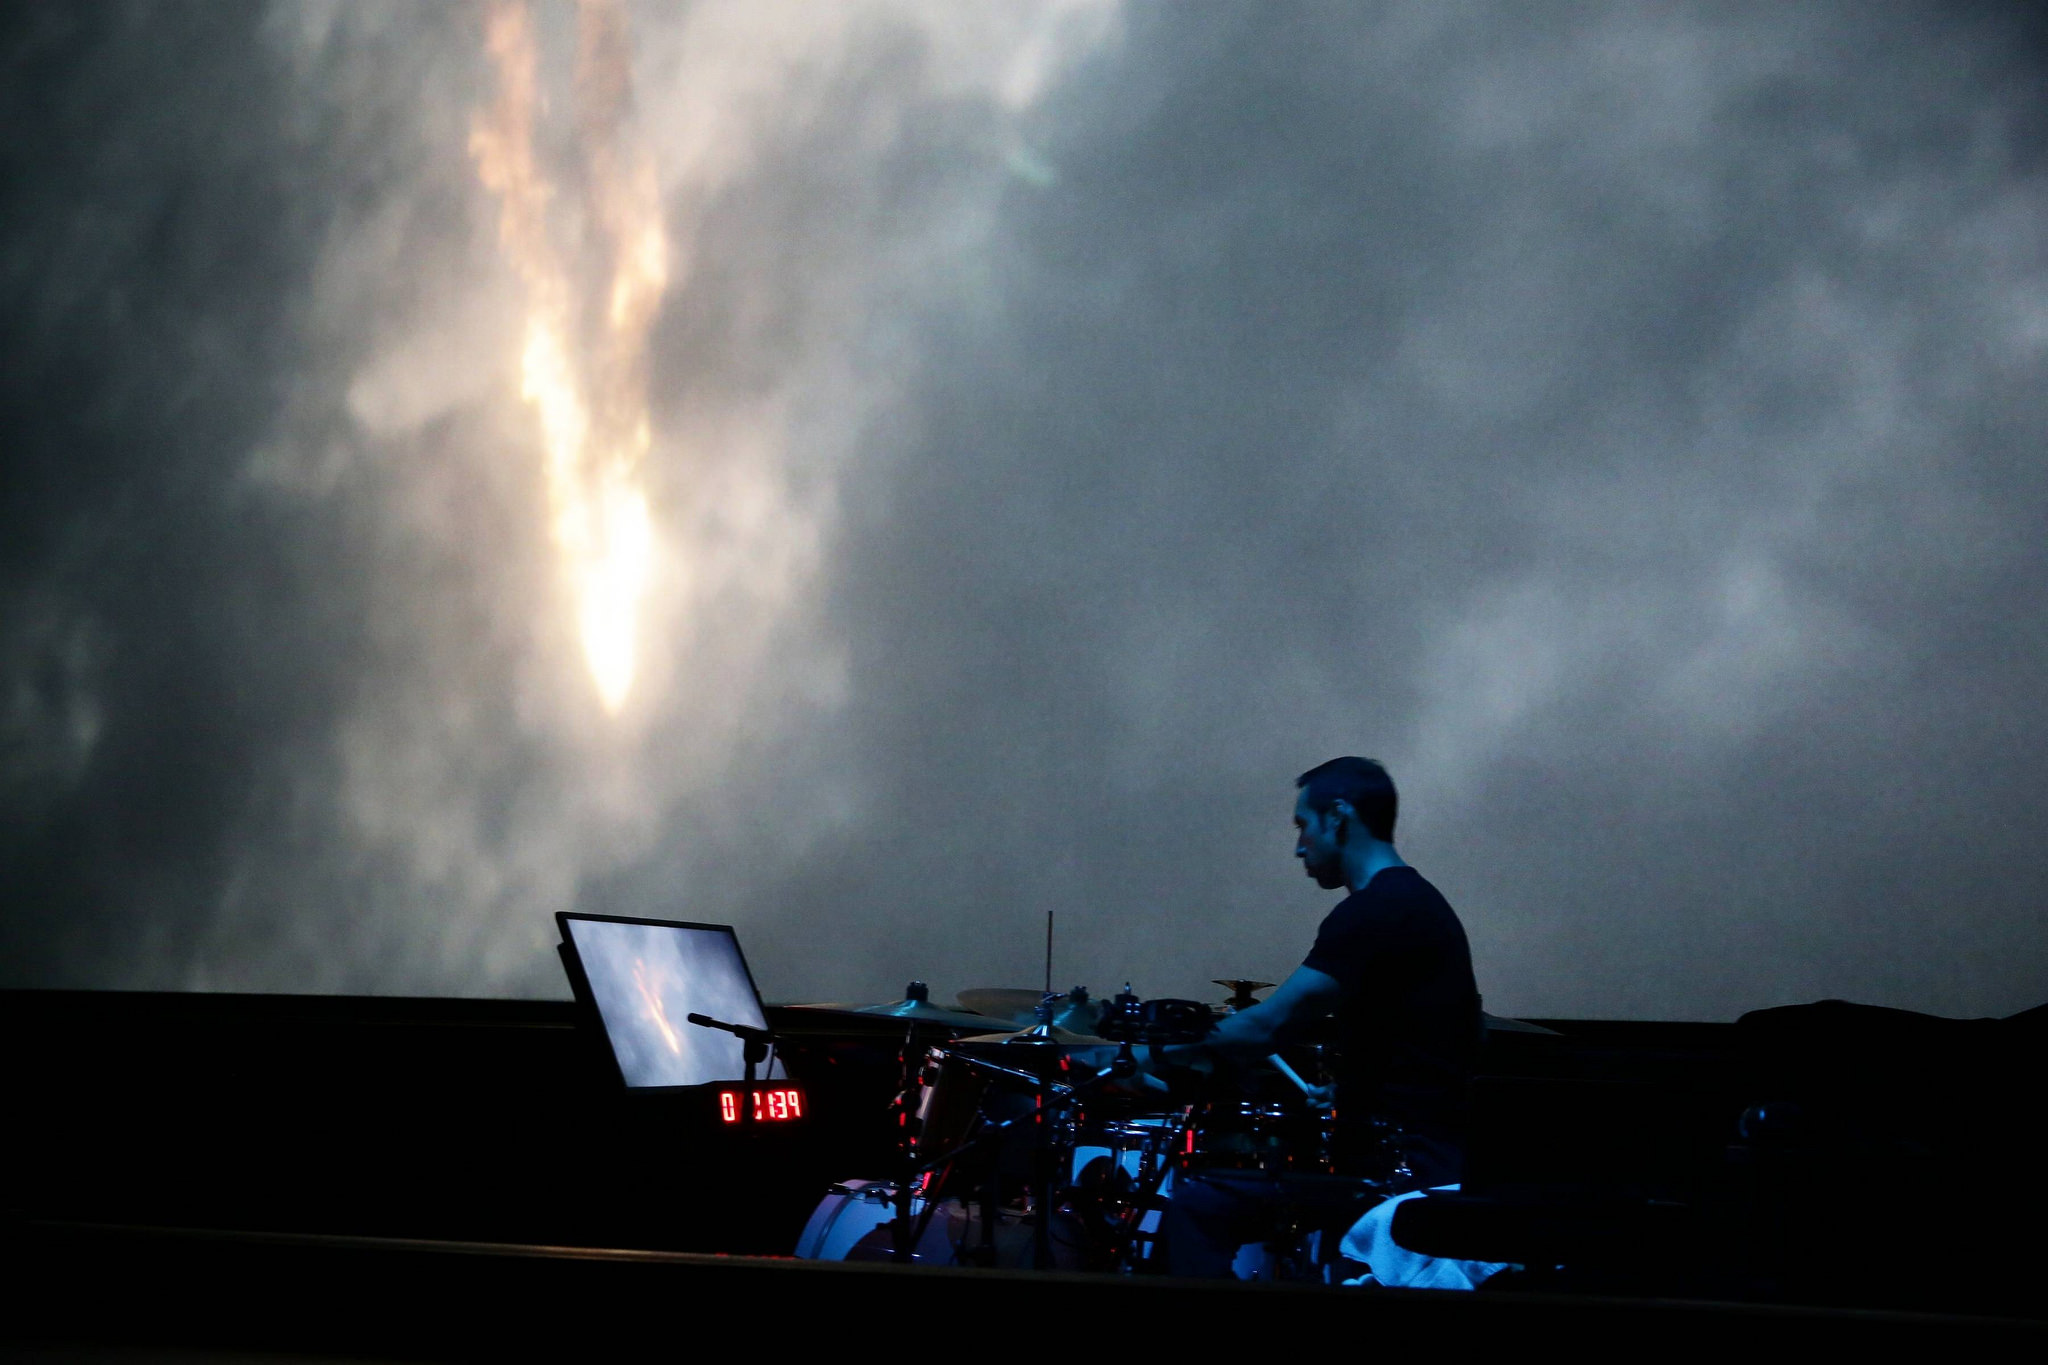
[645, 978]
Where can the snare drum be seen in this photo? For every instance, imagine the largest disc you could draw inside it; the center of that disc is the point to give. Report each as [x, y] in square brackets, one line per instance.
[1262, 1135]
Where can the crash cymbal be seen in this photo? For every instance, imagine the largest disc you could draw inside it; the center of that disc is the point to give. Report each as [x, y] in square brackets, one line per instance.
[1041, 1035]
[1496, 1024]
[915, 1006]
[1001, 1002]
[910, 1011]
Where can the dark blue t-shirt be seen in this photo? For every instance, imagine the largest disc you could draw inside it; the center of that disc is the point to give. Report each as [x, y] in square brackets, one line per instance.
[1408, 1013]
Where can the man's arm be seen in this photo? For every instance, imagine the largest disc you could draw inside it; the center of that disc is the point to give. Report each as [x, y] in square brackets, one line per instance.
[1252, 1034]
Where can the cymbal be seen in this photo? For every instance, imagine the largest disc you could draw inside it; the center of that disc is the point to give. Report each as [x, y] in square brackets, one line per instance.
[1497, 1024]
[1053, 1033]
[1001, 1002]
[917, 1011]
[1241, 991]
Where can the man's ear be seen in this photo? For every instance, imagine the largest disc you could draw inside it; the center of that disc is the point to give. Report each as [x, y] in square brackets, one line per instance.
[1345, 813]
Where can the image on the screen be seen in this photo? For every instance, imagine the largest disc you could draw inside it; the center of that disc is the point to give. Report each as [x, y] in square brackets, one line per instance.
[647, 979]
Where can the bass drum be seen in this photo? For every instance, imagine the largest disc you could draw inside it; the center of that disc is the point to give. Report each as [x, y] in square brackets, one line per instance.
[856, 1221]
[845, 1218]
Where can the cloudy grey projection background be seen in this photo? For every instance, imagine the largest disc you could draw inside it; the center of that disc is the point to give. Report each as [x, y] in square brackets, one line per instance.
[1066, 422]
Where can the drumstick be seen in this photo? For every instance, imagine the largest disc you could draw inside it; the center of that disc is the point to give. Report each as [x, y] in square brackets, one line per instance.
[1279, 1064]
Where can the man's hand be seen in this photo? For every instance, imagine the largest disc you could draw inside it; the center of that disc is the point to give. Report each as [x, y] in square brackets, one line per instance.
[1319, 1096]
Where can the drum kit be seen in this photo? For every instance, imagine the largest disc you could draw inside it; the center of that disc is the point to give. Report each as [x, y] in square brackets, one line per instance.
[1028, 1139]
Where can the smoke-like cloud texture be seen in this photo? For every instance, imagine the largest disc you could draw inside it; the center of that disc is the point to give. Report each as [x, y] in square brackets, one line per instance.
[1069, 422]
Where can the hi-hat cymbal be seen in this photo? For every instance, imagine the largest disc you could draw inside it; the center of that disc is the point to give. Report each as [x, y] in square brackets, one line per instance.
[1001, 1002]
[1052, 1034]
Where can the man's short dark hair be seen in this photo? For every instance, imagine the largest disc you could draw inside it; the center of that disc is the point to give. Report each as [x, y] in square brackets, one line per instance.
[1361, 781]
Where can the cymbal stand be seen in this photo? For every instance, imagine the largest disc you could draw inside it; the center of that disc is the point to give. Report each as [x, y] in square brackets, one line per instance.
[912, 1078]
[1043, 1157]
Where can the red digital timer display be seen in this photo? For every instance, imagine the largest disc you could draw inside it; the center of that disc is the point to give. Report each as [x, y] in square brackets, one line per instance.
[776, 1104]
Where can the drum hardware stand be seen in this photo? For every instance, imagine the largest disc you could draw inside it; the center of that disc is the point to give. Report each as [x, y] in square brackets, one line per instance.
[1151, 1175]
[1050, 1096]
[909, 1231]
[1151, 1168]
[1122, 1067]
[982, 1135]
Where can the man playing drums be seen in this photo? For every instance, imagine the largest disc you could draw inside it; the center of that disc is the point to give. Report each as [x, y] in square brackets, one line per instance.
[1391, 963]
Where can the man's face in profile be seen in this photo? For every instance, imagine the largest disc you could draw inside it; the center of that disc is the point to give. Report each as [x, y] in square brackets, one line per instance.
[1315, 842]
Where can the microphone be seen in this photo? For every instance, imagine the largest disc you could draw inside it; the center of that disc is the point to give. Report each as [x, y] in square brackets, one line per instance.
[743, 1032]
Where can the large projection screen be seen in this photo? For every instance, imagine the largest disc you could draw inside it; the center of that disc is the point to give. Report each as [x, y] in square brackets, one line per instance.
[646, 977]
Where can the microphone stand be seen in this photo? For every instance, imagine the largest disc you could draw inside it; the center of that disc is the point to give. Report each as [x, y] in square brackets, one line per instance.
[754, 1044]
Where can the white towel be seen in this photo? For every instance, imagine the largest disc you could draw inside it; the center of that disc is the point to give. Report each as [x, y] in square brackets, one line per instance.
[1371, 1240]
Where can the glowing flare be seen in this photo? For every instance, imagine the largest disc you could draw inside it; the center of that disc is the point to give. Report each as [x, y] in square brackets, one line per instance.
[614, 578]
[656, 1010]
[584, 370]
